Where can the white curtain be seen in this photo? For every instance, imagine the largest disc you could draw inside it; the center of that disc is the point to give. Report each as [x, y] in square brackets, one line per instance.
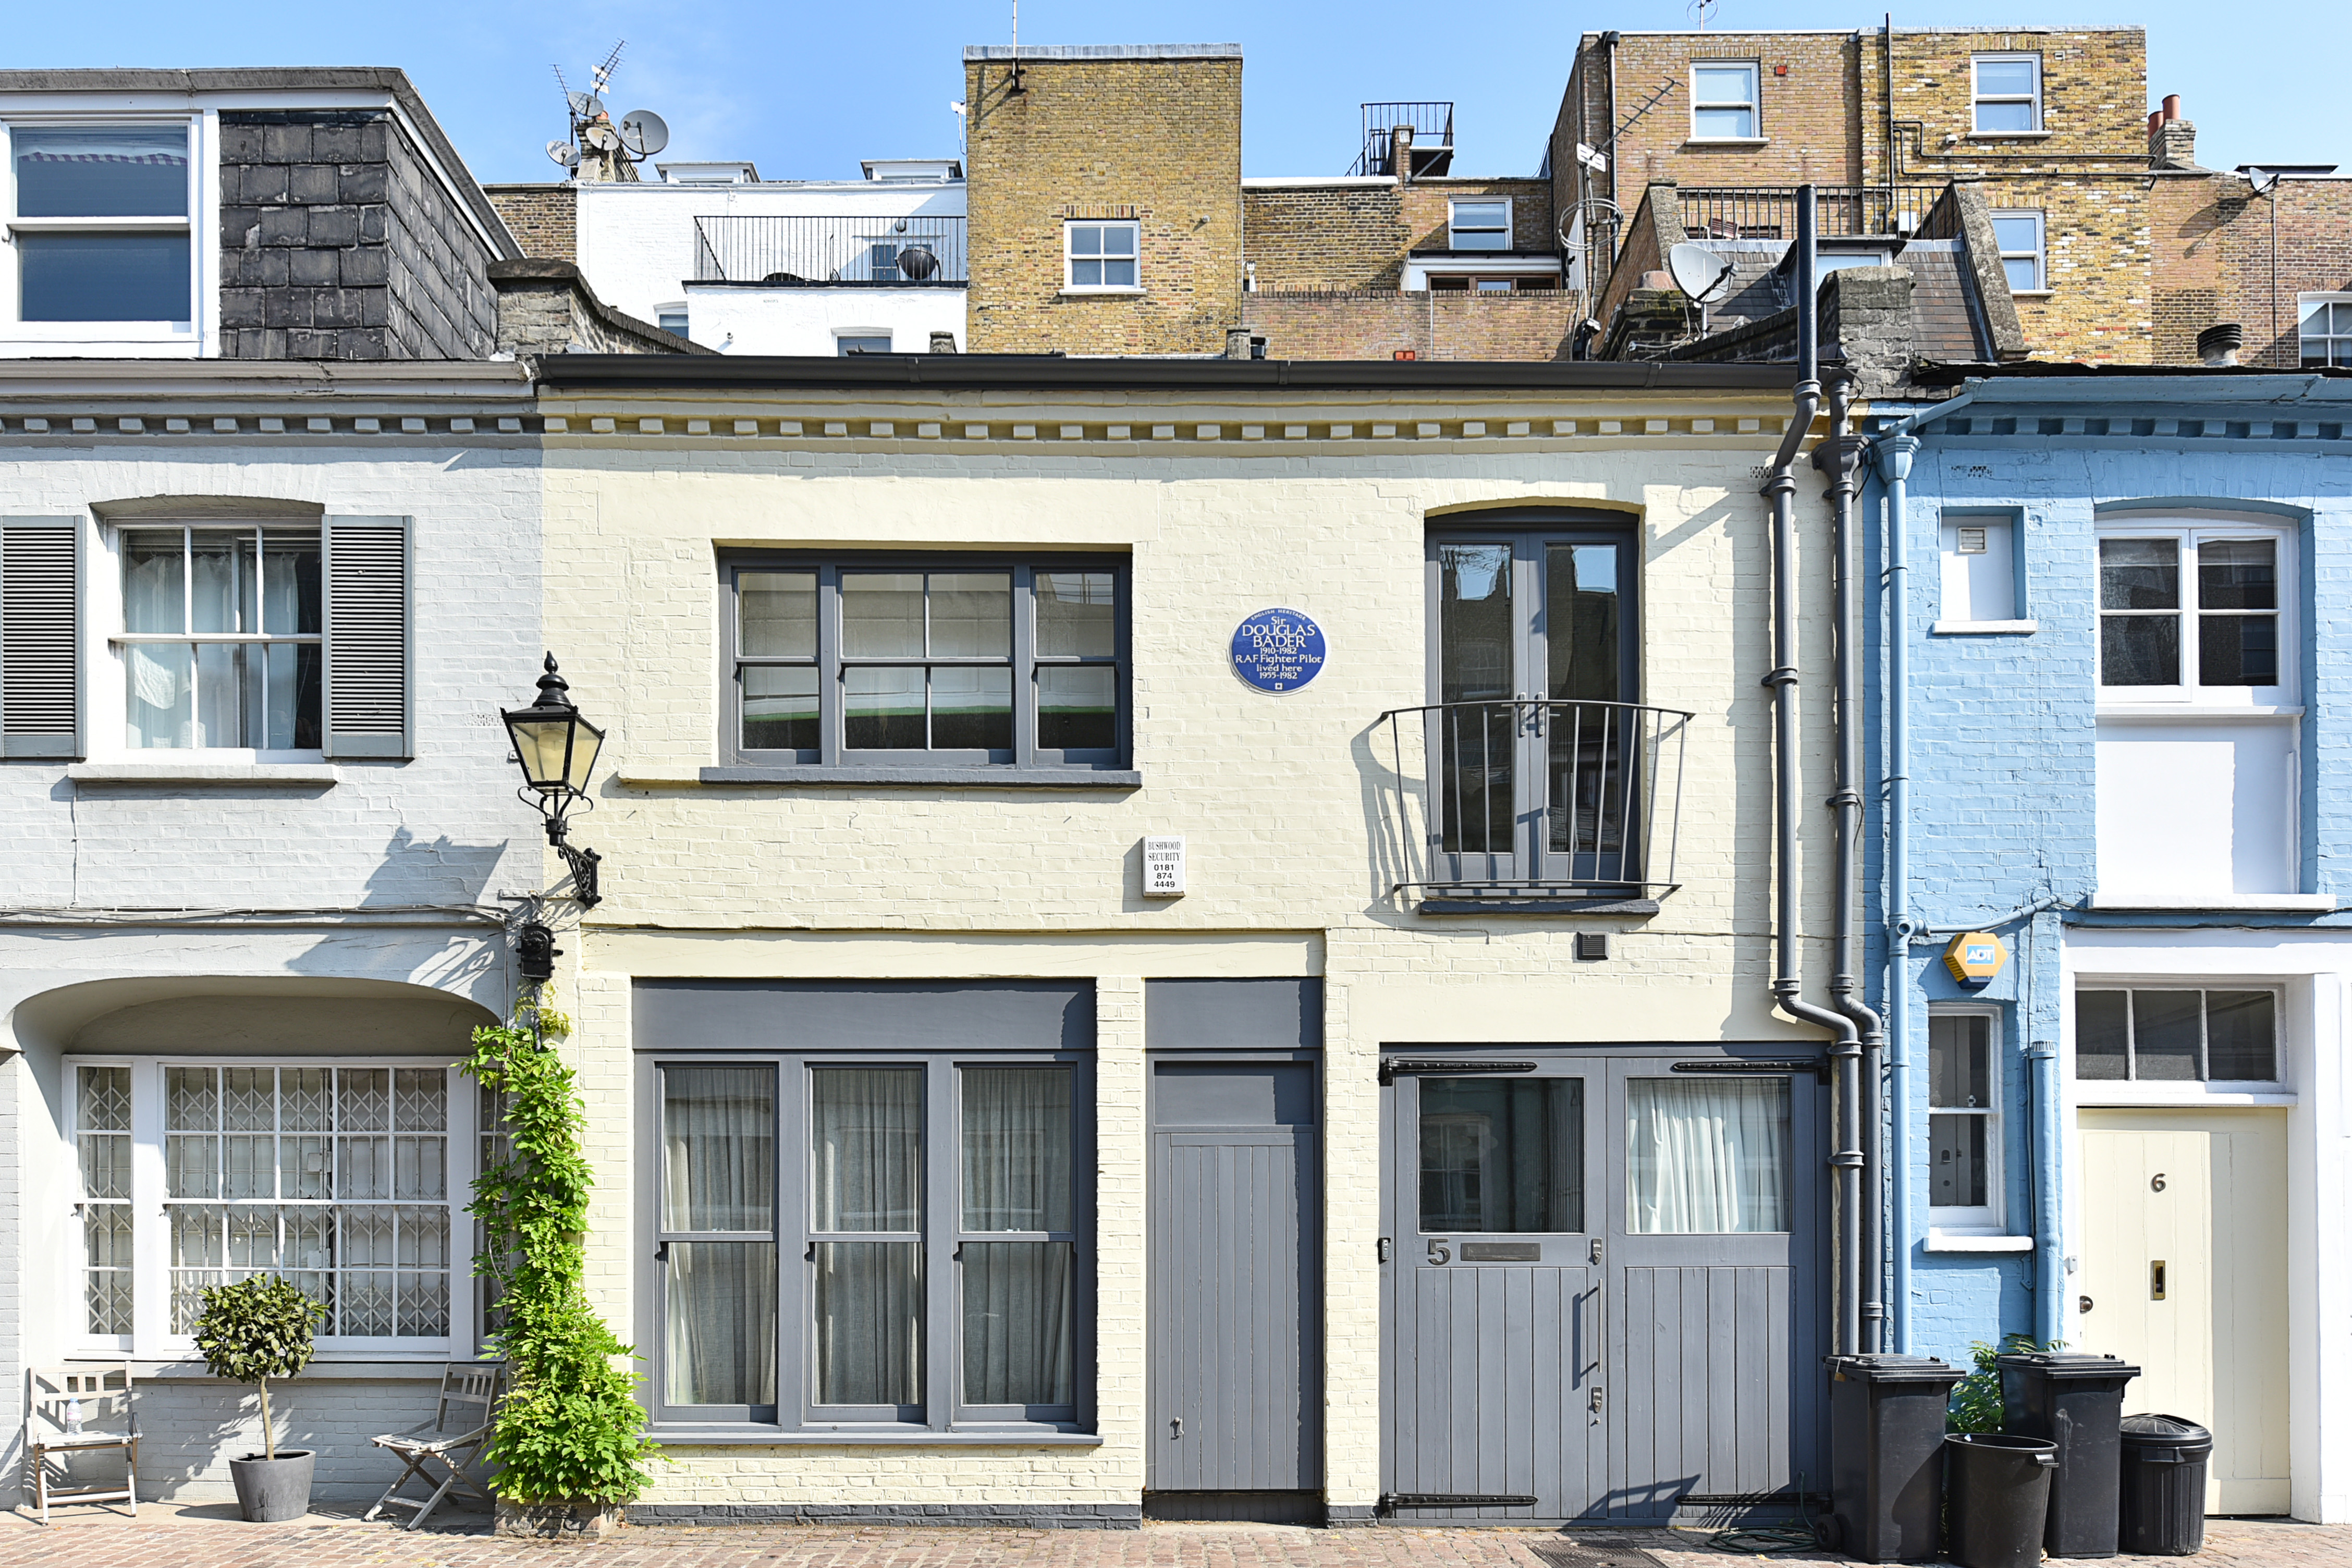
[869, 1322]
[1017, 1149]
[867, 1132]
[719, 1130]
[1017, 1344]
[1707, 1155]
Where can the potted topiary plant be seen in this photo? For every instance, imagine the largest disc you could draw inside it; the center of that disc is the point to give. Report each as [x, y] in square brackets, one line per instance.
[251, 1331]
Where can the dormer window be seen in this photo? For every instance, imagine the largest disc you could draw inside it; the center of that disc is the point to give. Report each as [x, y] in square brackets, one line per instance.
[1479, 226]
[99, 223]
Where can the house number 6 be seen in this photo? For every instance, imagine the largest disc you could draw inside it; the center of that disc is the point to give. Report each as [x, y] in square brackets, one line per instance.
[2157, 1184]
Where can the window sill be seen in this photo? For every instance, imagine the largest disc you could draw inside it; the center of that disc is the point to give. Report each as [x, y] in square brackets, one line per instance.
[2032, 293]
[1704, 144]
[1504, 901]
[777, 1438]
[1975, 1241]
[2010, 136]
[209, 775]
[859, 777]
[2177, 710]
[2285, 903]
[323, 1369]
[1098, 293]
[2097, 1093]
[1984, 628]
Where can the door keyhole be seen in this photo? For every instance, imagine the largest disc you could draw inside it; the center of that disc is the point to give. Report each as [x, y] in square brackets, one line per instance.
[2156, 1281]
[1177, 1424]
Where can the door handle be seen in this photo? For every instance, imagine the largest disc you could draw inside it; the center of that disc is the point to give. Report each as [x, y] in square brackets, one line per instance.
[661, 1252]
[1384, 1249]
[2082, 1303]
[2156, 1281]
[1598, 1401]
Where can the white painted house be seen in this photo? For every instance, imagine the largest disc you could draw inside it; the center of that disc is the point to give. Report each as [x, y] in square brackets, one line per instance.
[749, 266]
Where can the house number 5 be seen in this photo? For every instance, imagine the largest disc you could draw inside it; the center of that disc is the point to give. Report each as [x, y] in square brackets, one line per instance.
[1440, 1251]
[2156, 1185]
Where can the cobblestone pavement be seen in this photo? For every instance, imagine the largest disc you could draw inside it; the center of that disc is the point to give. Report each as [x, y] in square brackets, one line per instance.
[211, 1536]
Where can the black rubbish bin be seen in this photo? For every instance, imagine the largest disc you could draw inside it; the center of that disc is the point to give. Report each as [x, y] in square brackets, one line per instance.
[1886, 1455]
[2163, 1505]
[2077, 1401]
[1997, 1490]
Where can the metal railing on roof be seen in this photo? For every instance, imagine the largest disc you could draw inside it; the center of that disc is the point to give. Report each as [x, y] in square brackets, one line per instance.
[824, 249]
[1432, 124]
[1770, 213]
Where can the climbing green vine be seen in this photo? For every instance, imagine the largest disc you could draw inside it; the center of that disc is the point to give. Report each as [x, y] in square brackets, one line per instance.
[571, 1429]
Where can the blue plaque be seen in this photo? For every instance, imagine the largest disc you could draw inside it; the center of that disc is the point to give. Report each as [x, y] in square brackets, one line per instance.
[1278, 650]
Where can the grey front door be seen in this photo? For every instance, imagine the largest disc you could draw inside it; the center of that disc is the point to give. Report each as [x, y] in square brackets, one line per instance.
[1602, 1297]
[1235, 1385]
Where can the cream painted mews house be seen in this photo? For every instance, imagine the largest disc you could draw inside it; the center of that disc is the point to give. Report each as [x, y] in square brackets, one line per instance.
[1430, 1150]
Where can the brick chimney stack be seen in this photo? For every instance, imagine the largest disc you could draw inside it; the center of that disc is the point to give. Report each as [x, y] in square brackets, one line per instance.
[2171, 141]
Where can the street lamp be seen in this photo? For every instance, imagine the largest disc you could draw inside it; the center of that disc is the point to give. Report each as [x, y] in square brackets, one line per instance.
[557, 749]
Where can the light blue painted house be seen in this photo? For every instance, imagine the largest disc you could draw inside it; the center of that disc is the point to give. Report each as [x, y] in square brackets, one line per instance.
[2114, 708]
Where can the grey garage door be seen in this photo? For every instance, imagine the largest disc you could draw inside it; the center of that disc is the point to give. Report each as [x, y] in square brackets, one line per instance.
[1602, 1298]
[1236, 1377]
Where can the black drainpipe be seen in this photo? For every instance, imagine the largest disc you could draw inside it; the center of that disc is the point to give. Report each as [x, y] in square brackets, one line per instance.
[1780, 489]
[1840, 457]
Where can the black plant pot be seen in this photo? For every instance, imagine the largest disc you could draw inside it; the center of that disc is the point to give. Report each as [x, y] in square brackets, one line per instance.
[273, 1492]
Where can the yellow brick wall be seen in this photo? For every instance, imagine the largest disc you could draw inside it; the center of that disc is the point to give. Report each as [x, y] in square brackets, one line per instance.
[1278, 797]
[1155, 138]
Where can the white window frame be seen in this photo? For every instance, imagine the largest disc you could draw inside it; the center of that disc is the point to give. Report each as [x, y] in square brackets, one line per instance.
[150, 1337]
[2188, 697]
[842, 335]
[198, 336]
[1070, 228]
[1454, 229]
[1990, 1217]
[1752, 104]
[2133, 1089]
[1978, 97]
[109, 702]
[2336, 341]
[2039, 255]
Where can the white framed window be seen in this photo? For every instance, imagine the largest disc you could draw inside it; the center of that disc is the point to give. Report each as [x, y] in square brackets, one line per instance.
[2326, 328]
[1482, 224]
[848, 343]
[101, 218]
[2196, 612]
[2019, 235]
[2008, 94]
[2175, 1033]
[1101, 256]
[1723, 101]
[343, 1176]
[1964, 1122]
[222, 643]
[673, 318]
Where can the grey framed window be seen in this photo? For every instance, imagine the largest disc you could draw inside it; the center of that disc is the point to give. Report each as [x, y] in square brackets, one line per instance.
[882, 1242]
[223, 639]
[974, 662]
[2176, 1035]
[100, 223]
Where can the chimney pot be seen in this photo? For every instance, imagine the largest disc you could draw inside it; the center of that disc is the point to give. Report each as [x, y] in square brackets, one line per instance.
[943, 342]
[1237, 343]
[2172, 106]
[2218, 344]
[2155, 120]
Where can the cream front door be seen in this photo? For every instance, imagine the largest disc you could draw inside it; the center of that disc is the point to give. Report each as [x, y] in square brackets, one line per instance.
[2184, 1274]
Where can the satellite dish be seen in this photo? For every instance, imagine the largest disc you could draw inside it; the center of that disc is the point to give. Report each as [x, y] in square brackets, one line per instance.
[600, 136]
[564, 152]
[585, 105]
[917, 262]
[643, 133]
[1697, 271]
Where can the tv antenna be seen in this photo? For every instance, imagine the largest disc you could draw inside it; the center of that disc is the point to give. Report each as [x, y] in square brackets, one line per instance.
[1702, 10]
[600, 148]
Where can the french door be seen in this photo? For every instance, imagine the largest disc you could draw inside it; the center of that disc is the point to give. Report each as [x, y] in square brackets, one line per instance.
[1534, 751]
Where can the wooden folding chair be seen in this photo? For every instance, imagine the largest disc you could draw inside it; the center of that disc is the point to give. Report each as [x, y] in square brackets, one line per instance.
[453, 1439]
[54, 1430]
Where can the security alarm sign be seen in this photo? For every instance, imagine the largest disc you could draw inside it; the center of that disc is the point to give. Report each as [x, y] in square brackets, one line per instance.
[1163, 867]
[1975, 957]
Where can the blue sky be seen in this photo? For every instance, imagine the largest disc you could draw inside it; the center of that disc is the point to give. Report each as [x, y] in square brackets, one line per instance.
[807, 90]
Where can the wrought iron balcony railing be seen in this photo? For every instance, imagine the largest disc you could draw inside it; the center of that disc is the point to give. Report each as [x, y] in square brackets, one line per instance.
[1526, 799]
[766, 249]
[1770, 213]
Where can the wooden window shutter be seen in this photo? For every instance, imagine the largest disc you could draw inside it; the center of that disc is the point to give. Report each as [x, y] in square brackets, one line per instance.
[368, 699]
[40, 640]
